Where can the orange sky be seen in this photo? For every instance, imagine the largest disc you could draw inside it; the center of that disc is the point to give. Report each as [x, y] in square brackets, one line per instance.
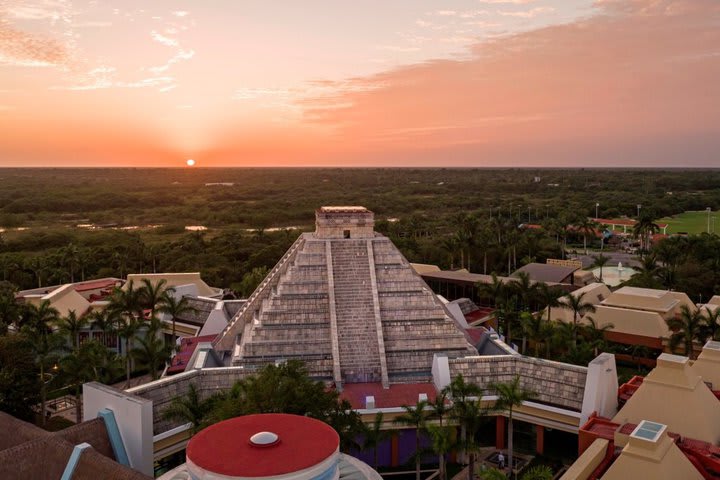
[476, 83]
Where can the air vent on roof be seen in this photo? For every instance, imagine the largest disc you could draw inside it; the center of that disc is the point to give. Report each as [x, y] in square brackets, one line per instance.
[422, 397]
[648, 431]
[370, 402]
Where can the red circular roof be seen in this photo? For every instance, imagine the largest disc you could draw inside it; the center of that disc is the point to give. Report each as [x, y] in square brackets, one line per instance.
[225, 447]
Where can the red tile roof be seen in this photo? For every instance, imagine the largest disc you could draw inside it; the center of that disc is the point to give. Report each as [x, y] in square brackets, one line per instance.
[95, 285]
[226, 449]
[478, 314]
[187, 347]
[395, 396]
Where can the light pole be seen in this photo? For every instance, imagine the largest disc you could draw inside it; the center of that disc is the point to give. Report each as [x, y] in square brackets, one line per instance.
[529, 213]
[597, 205]
[708, 220]
[639, 207]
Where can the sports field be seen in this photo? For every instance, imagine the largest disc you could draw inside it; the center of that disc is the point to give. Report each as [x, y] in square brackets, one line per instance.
[692, 222]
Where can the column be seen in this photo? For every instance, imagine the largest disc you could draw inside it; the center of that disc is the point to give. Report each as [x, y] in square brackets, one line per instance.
[394, 450]
[539, 439]
[500, 432]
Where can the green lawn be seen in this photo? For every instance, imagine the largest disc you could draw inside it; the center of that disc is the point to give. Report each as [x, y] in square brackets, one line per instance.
[692, 222]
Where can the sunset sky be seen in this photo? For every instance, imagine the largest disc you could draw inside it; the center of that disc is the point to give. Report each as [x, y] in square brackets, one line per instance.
[369, 83]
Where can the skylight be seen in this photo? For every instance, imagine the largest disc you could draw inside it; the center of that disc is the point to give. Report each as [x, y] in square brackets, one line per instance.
[649, 431]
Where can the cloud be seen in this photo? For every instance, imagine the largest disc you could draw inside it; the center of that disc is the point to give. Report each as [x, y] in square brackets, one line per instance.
[163, 40]
[446, 13]
[627, 86]
[21, 48]
[528, 13]
[181, 13]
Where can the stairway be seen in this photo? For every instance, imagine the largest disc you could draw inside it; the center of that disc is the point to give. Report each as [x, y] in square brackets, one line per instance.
[354, 308]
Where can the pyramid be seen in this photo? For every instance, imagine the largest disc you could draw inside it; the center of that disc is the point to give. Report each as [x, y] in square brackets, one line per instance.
[346, 302]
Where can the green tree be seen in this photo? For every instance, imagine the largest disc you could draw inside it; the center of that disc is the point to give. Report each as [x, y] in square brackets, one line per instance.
[19, 381]
[44, 344]
[78, 367]
[442, 444]
[152, 352]
[251, 280]
[9, 308]
[538, 472]
[492, 474]
[586, 227]
[549, 297]
[414, 417]
[599, 261]
[152, 294]
[579, 307]
[174, 307]
[440, 407]
[126, 305]
[374, 436]
[189, 408]
[686, 328]
[644, 229]
[511, 395]
[711, 326]
[71, 326]
[467, 413]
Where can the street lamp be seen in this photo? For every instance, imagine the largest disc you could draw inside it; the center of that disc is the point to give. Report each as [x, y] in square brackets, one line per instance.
[638, 208]
[597, 205]
[708, 220]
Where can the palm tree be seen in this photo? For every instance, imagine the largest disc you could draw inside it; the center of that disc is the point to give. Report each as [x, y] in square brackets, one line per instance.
[536, 329]
[79, 367]
[470, 416]
[127, 305]
[711, 328]
[450, 245]
[374, 436]
[495, 290]
[644, 228]
[440, 407]
[152, 351]
[525, 289]
[686, 328]
[170, 305]
[586, 227]
[414, 417]
[549, 296]
[44, 343]
[71, 326]
[152, 294]
[579, 307]
[463, 395]
[104, 320]
[599, 261]
[596, 335]
[189, 408]
[441, 445]
[511, 395]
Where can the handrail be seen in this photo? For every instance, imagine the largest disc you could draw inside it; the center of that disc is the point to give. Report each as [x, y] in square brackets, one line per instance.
[245, 308]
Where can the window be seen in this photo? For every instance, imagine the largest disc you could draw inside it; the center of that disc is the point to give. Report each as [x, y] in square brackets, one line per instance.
[346, 233]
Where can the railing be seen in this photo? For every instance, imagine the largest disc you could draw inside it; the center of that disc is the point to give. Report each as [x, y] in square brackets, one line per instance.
[245, 308]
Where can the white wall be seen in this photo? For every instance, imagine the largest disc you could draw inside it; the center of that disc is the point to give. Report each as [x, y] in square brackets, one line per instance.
[134, 416]
[601, 386]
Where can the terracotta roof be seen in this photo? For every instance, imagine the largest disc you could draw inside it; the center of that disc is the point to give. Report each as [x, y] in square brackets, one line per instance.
[187, 346]
[96, 284]
[226, 449]
[395, 396]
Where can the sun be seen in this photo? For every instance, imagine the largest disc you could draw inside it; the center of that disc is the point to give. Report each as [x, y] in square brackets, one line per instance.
[190, 162]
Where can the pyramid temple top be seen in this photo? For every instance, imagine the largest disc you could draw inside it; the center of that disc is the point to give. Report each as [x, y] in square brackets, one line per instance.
[344, 222]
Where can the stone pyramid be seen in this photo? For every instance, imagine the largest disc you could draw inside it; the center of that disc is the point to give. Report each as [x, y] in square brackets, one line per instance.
[345, 301]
